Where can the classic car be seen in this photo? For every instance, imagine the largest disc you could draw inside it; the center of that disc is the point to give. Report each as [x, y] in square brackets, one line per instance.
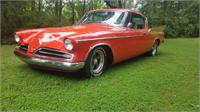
[101, 38]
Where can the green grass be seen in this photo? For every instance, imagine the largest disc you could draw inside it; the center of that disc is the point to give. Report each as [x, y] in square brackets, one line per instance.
[167, 82]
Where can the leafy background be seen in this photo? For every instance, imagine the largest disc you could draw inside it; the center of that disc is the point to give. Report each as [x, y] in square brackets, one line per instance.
[179, 18]
[167, 82]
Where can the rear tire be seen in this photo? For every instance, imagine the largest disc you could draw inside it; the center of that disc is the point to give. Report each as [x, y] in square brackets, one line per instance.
[154, 49]
[96, 62]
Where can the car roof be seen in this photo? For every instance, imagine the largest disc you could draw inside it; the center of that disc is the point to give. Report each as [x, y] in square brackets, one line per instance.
[121, 9]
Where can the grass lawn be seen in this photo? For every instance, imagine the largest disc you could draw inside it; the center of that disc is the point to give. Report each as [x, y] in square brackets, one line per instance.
[167, 82]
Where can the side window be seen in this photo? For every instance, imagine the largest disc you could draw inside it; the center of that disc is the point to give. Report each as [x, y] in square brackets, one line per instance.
[137, 21]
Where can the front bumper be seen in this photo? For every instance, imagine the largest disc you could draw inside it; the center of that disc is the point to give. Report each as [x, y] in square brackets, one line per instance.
[51, 64]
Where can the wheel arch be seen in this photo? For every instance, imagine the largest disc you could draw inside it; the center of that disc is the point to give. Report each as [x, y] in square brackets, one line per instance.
[157, 39]
[107, 47]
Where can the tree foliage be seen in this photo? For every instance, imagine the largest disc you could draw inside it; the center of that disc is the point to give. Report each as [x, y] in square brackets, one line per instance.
[19, 15]
[179, 17]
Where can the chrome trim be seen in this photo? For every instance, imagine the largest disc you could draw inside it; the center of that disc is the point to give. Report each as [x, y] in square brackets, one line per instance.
[50, 49]
[38, 50]
[108, 38]
[97, 64]
[24, 47]
[64, 66]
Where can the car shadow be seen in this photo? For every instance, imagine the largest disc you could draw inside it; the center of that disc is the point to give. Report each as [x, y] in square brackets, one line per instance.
[66, 75]
[129, 61]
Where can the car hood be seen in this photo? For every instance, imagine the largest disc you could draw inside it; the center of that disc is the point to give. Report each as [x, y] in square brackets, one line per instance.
[49, 37]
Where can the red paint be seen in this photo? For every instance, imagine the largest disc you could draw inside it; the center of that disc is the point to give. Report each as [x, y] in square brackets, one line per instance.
[139, 41]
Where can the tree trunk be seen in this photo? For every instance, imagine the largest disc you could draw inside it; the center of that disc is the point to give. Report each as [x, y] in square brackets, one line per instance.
[40, 5]
[33, 5]
[119, 3]
[124, 3]
[83, 7]
[56, 8]
[109, 3]
[72, 5]
[60, 10]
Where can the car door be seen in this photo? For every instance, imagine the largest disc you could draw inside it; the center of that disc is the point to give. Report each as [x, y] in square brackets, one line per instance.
[137, 30]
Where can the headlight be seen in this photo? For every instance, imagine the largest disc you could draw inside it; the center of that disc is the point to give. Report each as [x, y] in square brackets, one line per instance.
[17, 39]
[68, 44]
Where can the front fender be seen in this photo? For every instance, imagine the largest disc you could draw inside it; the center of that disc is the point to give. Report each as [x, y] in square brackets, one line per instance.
[83, 49]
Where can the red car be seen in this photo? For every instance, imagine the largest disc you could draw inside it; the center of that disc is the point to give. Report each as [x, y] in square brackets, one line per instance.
[101, 38]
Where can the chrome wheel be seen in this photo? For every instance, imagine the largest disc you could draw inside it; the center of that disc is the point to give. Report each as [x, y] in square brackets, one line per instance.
[154, 48]
[97, 62]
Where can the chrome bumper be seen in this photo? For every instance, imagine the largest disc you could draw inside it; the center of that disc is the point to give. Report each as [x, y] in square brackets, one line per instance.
[57, 65]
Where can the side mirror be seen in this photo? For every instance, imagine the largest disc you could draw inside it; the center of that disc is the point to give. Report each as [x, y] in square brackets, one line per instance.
[130, 25]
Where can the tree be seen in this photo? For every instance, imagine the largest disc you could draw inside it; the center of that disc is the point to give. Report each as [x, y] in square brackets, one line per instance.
[179, 17]
[83, 6]
[72, 5]
[114, 3]
[39, 5]
[60, 10]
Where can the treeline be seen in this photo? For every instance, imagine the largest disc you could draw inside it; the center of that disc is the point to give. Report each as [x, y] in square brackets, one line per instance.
[180, 18]
[18, 15]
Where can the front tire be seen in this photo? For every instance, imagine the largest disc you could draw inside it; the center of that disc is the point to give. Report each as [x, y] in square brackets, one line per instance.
[96, 62]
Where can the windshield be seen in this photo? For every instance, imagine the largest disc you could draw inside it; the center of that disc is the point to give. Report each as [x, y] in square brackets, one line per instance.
[107, 17]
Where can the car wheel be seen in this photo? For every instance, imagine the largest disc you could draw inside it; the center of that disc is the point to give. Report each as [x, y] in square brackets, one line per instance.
[154, 49]
[95, 63]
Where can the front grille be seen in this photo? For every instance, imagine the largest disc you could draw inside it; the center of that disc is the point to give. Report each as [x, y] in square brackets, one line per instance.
[53, 53]
[23, 48]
